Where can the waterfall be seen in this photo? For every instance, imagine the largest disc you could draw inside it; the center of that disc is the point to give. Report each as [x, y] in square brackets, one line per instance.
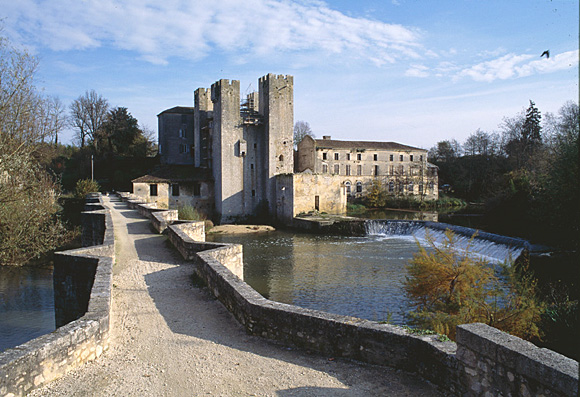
[492, 247]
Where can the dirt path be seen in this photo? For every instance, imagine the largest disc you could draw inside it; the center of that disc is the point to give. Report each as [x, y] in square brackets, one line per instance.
[171, 338]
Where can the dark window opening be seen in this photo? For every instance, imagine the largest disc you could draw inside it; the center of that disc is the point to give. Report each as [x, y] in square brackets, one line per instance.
[197, 189]
[336, 156]
[359, 187]
[153, 189]
[323, 156]
[175, 190]
[375, 157]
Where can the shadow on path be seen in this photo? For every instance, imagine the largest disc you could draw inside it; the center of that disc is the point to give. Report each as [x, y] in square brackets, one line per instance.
[190, 309]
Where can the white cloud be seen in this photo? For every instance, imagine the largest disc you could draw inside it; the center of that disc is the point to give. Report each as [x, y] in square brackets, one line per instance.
[512, 66]
[191, 29]
[418, 71]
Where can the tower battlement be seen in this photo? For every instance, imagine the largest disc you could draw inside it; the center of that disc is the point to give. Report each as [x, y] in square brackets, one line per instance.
[276, 78]
[202, 99]
[224, 86]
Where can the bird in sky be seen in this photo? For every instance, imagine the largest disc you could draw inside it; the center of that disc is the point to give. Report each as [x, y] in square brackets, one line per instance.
[546, 53]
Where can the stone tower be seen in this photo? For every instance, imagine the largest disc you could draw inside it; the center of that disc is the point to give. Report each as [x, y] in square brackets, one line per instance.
[276, 105]
[203, 113]
[227, 149]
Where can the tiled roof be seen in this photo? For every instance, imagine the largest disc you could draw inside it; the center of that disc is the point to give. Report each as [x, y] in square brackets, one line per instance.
[178, 110]
[367, 145]
[174, 173]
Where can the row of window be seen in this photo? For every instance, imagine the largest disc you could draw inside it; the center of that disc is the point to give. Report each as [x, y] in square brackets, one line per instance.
[391, 187]
[375, 157]
[376, 170]
[153, 190]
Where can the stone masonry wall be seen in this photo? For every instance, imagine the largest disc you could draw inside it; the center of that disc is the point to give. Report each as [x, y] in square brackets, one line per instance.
[50, 356]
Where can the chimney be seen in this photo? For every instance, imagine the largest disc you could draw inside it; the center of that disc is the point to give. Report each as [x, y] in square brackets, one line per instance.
[326, 137]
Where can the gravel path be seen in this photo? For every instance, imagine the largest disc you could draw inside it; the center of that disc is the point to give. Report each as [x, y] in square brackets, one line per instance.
[172, 338]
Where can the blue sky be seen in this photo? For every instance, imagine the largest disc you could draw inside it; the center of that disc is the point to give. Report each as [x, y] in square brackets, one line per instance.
[410, 71]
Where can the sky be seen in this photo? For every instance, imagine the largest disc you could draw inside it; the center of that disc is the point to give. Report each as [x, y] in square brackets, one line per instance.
[410, 71]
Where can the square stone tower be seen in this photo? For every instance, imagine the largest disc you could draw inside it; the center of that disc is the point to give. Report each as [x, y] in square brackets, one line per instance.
[276, 106]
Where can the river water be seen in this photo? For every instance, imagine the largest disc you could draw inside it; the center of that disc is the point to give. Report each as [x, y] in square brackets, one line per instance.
[354, 276]
[26, 304]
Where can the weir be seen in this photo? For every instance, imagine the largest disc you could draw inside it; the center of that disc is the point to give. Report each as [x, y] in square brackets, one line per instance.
[493, 247]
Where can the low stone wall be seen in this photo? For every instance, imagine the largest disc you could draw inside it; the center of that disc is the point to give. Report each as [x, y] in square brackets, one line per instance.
[161, 219]
[50, 356]
[485, 361]
[496, 363]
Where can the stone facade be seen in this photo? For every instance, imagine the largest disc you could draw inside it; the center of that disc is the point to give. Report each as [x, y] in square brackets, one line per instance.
[240, 151]
[305, 192]
[402, 170]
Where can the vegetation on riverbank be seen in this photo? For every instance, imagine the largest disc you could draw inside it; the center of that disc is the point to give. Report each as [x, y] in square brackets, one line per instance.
[448, 286]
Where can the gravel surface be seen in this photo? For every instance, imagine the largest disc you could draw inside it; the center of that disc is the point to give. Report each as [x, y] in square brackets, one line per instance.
[170, 337]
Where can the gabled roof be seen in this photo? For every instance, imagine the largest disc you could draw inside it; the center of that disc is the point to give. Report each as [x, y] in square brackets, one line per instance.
[178, 110]
[174, 173]
[367, 145]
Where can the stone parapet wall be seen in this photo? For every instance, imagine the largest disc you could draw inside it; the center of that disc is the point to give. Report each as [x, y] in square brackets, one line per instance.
[485, 361]
[496, 363]
[161, 219]
[50, 356]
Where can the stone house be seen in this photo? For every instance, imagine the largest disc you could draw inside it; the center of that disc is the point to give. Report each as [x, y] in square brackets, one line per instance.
[403, 170]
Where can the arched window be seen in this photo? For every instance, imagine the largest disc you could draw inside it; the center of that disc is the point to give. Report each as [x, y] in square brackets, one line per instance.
[359, 187]
[281, 158]
[348, 186]
[391, 187]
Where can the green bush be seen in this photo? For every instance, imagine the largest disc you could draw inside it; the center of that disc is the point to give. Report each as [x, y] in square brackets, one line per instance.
[188, 213]
[86, 186]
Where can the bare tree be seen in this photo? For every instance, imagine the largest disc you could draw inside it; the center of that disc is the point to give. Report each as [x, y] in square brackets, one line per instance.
[87, 114]
[28, 226]
[301, 129]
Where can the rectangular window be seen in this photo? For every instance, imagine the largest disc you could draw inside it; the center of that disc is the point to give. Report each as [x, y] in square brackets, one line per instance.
[253, 193]
[359, 156]
[348, 156]
[359, 169]
[420, 188]
[401, 157]
[411, 158]
[375, 157]
[153, 189]
[197, 189]
[392, 170]
[336, 169]
[348, 170]
[251, 166]
[421, 158]
[175, 190]
[324, 156]
[376, 170]
[324, 168]
[336, 156]
[390, 157]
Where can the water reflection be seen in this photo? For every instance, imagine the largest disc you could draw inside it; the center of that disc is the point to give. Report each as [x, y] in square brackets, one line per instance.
[26, 304]
[355, 276]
